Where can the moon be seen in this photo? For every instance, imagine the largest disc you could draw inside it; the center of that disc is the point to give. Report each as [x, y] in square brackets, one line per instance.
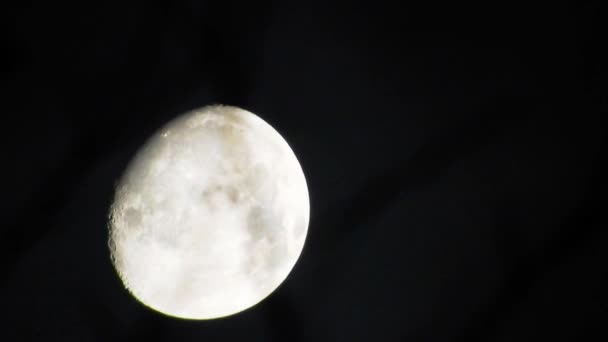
[210, 216]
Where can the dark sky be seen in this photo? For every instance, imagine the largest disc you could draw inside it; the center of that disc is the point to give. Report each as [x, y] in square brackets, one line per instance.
[453, 157]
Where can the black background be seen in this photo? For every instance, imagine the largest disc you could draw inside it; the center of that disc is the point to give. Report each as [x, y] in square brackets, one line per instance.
[453, 157]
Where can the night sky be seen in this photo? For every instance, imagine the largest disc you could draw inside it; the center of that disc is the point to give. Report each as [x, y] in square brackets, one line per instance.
[454, 158]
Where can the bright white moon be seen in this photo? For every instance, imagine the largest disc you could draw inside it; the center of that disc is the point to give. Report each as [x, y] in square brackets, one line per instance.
[210, 216]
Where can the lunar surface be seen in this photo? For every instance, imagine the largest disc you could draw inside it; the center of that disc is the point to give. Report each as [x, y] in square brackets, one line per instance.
[210, 216]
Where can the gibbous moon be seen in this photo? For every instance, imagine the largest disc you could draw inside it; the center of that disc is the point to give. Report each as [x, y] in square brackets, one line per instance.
[210, 216]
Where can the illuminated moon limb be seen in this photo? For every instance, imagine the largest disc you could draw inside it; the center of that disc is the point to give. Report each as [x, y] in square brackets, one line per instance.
[210, 216]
